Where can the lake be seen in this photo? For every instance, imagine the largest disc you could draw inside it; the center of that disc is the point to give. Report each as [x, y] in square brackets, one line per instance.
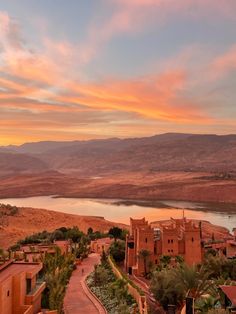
[121, 211]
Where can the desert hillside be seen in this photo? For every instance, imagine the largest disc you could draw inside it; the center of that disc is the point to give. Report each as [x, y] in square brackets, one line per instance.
[168, 166]
[21, 222]
[190, 186]
[31, 220]
[166, 152]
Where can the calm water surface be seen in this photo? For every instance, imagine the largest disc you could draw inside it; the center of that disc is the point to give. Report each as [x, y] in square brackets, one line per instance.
[122, 212]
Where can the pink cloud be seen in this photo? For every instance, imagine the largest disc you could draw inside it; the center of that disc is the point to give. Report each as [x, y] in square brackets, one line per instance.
[223, 64]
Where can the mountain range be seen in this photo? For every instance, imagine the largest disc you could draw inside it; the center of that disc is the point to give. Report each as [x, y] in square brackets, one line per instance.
[166, 152]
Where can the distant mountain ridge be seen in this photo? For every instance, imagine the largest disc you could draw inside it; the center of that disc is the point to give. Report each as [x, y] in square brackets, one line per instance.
[165, 152]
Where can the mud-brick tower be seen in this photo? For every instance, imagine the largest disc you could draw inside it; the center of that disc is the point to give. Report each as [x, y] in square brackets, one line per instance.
[141, 238]
[192, 240]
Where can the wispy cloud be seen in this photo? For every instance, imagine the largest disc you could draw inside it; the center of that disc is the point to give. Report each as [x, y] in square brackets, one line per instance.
[223, 64]
[42, 88]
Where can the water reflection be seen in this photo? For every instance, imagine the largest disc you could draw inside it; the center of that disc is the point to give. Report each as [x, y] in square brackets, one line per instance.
[122, 212]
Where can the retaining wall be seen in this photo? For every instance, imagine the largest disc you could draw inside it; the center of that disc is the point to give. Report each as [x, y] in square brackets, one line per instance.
[140, 299]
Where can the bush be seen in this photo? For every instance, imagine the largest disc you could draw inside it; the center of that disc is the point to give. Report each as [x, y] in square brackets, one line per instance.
[117, 251]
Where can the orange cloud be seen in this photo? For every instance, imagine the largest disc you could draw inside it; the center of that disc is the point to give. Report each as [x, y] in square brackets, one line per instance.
[40, 83]
[155, 97]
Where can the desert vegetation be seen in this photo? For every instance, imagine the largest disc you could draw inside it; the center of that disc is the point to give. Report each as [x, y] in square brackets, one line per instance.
[200, 282]
[7, 210]
[112, 292]
[57, 270]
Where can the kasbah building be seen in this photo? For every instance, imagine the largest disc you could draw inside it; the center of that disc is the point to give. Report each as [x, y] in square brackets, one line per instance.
[180, 238]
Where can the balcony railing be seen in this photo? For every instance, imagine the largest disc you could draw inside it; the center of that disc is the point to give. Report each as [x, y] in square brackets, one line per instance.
[35, 292]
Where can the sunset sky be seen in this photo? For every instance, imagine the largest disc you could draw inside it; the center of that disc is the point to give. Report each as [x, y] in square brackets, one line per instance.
[82, 69]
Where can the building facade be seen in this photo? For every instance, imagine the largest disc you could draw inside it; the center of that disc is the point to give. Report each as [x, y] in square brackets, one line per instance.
[100, 245]
[181, 238]
[20, 288]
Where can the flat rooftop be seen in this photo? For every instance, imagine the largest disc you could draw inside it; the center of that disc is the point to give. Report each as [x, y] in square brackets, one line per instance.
[15, 268]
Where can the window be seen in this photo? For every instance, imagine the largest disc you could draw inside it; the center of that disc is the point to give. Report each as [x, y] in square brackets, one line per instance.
[155, 250]
[168, 241]
[8, 293]
[171, 241]
[146, 240]
[28, 286]
[169, 251]
[130, 245]
[172, 251]
[192, 239]
[155, 261]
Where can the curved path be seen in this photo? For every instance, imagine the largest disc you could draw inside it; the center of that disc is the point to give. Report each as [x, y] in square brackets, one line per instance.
[78, 299]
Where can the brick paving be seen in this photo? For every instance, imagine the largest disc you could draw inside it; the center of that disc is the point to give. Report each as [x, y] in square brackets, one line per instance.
[78, 299]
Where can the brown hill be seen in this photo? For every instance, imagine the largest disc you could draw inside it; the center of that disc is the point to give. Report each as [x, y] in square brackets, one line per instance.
[166, 152]
[189, 186]
[31, 220]
[167, 166]
[11, 163]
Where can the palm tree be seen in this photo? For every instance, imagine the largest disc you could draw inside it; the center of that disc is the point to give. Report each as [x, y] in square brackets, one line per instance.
[144, 254]
[165, 288]
[203, 305]
[164, 261]
[195, 282]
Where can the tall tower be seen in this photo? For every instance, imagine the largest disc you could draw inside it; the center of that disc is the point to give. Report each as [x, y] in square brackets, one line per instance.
[192, 239]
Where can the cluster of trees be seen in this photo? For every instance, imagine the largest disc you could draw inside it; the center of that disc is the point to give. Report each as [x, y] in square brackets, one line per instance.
[73, 234]
[57, 270]
[117, 251]
[197, 281]
[63, 233]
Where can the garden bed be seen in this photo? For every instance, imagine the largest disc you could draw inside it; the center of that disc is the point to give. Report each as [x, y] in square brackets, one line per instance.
[110, 291]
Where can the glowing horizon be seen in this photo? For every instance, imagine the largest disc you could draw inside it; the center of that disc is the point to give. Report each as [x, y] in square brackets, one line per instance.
[116, 68]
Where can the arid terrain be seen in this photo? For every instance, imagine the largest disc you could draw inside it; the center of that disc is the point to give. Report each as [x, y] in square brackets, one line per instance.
[31, 220]
[168, 166]
[191, 186]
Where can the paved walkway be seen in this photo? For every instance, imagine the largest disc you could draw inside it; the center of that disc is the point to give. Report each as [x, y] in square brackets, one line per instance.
[78, 299]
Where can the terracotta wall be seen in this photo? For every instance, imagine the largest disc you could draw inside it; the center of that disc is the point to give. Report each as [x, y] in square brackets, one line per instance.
[230, 250]
[193, 251]
[19, 291]
[6, 294]
[170, 245]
